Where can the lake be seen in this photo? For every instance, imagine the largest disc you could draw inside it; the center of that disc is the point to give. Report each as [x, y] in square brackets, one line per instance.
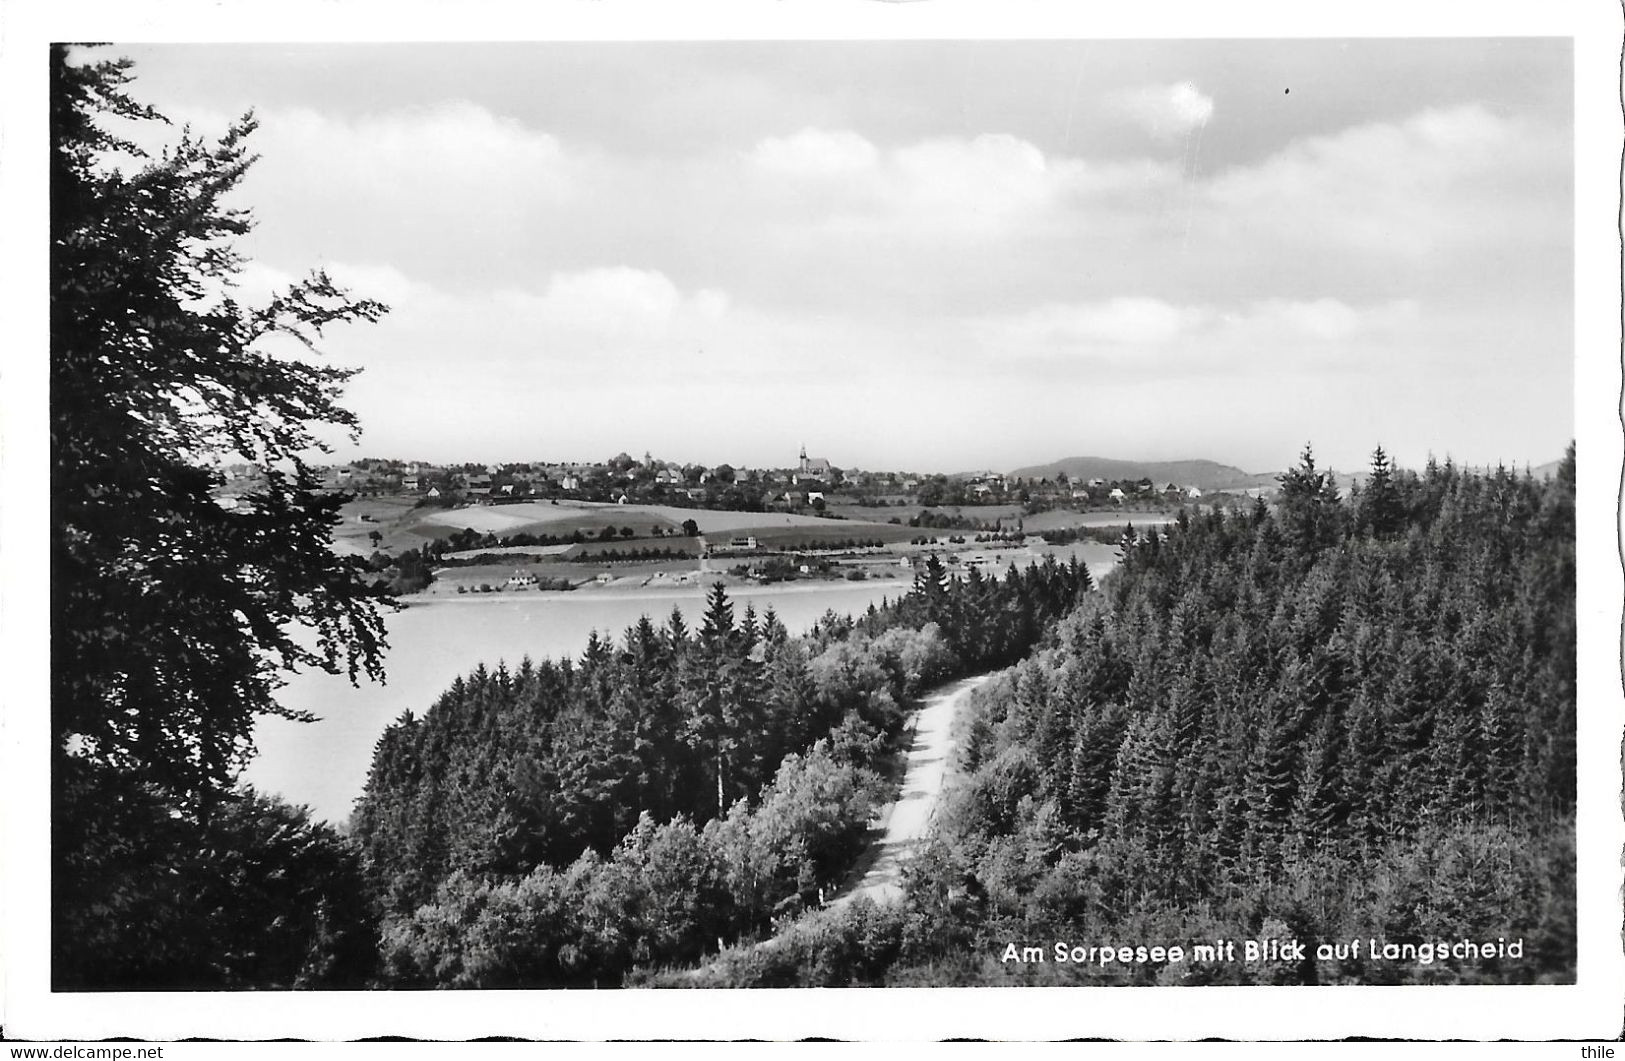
[324, 764]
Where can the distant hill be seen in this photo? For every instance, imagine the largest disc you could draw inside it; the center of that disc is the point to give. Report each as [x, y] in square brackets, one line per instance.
[1208, 475]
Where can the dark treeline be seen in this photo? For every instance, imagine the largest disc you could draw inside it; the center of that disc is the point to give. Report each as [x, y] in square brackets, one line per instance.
[1068, 535]
[695, 781]
[1343, 718]
[410, 572]
[468, 539]
[630, 555]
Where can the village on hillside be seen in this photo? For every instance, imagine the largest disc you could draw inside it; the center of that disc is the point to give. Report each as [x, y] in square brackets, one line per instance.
[464, 528]
[812, 484]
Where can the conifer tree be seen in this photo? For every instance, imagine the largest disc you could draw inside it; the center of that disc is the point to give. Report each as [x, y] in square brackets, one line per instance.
[1379, 497]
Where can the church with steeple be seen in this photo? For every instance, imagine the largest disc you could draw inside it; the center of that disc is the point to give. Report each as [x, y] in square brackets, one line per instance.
[814, 467]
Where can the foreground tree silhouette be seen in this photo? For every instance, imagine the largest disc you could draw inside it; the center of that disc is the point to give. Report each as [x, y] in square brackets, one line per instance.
[172, 619]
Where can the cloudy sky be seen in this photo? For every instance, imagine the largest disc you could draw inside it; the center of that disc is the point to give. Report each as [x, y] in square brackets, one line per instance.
[925, 255]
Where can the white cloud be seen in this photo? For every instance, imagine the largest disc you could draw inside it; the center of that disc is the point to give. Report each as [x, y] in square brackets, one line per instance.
[257, 282]
[1324, 318]
[455, 149]
[923, 193]
[579, 322]
[615, 302]
[611, 301]
[253, 285]
[1380, 210]
[1324, 323]
[711, 304]
[454, 184]
[1165, 111]
[814, 152]
[1405, 189]
[990, 175]
[942, 178]
[1116, 322]
[385, 283]
[1150, 335]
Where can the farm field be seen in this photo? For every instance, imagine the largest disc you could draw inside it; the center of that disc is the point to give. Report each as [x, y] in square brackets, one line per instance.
[387, 516]
[402, 525]
[826, 533]
[1007, 516]
[713, 522]
[903, 513]
[649, 574]
[544, 518]
[1065, 519]
[540, 518]
[452, 580]
[510, 550]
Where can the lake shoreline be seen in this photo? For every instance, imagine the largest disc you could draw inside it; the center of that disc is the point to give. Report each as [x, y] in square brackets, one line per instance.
[440, 637]
[694, 584]
[669, 591]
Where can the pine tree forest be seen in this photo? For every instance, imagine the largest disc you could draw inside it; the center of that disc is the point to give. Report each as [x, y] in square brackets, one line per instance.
[1335, 719]
[570, 822]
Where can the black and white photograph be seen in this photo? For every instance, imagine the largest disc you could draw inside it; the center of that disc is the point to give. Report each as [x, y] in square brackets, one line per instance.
[659, 519]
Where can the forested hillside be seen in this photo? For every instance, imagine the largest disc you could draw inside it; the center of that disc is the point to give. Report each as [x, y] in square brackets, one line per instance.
[1209, 475]
[1339, 719]
[563, 822]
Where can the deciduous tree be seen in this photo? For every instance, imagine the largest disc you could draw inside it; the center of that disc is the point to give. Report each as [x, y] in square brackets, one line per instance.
[171, 617]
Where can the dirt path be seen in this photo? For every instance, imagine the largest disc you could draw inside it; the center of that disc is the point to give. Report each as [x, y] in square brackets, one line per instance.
[906, 819]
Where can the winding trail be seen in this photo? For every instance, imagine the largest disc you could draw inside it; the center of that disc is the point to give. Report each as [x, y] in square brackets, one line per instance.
[905, 820]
